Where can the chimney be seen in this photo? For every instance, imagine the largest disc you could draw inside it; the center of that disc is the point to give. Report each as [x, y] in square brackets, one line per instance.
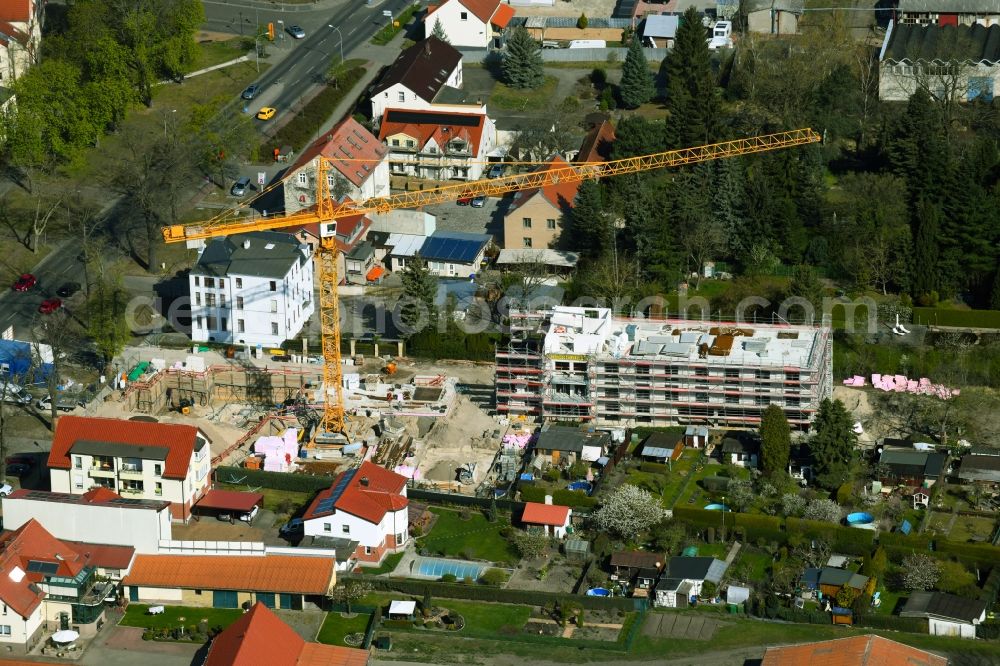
[246, 244]
[548, 499]
[364, 481]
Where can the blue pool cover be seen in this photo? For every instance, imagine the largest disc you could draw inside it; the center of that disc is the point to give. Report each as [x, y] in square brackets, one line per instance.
[429, 566]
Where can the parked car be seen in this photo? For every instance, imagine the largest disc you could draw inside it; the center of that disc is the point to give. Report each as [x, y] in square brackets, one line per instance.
[495, 171]
[296, 31]
[67, 289]
[479, 202]
[25, 282]
[248, 517]
[251, 91]
[12, 393]
[293, 527]
[240, 187]
[228, 517]
[64, 403]
[465, 199]
[18, 470]
[266, 113]
[5, 490]
[50, 305]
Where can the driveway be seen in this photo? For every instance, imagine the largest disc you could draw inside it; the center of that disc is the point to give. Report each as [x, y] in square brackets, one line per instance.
[123, 646]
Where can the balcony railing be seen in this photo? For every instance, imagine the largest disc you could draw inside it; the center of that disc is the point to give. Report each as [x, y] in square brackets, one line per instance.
[132, 491]
[102, 472]
[130, 473]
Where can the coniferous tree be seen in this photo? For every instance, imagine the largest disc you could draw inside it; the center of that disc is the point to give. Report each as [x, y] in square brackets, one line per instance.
[439, 31]
[637, 80]
[522, 63]
[926, 234]
[832, 445]
[917, 148]
[419, 290]
[692, 95]
[775, 440]
[588, 230]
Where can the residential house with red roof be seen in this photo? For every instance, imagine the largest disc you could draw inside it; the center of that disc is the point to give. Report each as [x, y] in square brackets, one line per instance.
[47, 584]
[535, 217]
[20, 37]
[596, 145]
[368, 505]
[99, 515]
[437, 145]
[349, 232]
[552, 519]
[475, 23]
[260, 637]
[290, 582]
[356, 167]
[425, 77]
[136, 459]
[870, 650]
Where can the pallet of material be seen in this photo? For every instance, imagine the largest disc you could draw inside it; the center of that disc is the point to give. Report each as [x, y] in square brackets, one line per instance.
[722, 346]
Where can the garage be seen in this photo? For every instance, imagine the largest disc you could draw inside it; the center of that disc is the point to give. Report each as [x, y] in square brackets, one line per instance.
[229, 505]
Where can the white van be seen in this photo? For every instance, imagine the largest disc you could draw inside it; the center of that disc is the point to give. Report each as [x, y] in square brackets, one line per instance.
[588, 44]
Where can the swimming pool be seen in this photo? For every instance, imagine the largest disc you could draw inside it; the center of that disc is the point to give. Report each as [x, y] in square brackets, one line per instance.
[716, 507]
[598, 592]
[581, 485]
[434, 567]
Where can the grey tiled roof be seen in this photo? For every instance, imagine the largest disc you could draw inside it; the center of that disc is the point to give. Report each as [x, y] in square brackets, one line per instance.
[945, 43]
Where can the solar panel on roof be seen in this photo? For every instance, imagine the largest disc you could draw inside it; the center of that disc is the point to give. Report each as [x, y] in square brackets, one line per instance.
[424, 118]
[459, 250]
[326, 504]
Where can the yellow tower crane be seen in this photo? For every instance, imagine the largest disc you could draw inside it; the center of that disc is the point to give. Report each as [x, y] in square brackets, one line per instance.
[327, 211]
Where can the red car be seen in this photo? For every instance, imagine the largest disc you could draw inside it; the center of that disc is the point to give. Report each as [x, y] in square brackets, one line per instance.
[25, 282]
[466, 198]
[50, 305]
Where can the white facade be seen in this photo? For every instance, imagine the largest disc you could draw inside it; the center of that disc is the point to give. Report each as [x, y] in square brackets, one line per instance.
[19, 41]
[942, 627]
[137, 478]
[442, 156]
[451, 269]
[672, 598]
[398, 96]
[393, 527]
[19, 631]
[300, 185]
[461, 25]
[247, 309]
[140, 528]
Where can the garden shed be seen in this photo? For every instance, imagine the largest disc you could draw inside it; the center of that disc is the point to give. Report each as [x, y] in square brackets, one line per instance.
[577, 549]
[402, 610]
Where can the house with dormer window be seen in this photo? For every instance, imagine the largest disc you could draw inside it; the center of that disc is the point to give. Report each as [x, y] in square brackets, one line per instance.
[437, 145]
[136, 459]
[426, 76]
[479, 24]
[356, 167]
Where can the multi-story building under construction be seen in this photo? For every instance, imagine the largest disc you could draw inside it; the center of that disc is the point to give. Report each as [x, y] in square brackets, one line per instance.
[583, 364]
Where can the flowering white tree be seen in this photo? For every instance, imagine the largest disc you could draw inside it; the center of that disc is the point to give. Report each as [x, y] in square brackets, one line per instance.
[920, 572]
[740, 494]
[628, 511]
[792, 504]
[822, 509]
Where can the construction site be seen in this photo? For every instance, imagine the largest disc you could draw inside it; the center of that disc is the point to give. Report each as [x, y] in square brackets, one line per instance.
[260, 417]
[586, 365]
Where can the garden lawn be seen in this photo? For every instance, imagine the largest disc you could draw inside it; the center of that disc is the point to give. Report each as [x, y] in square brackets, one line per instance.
[488, 620]
[170, 618]
[336, 626]
[216, 53]
[513, 99]
[967, 527]
[475, 538]
[889, 600]
[759, 563]
[388, 564]
[702, 496]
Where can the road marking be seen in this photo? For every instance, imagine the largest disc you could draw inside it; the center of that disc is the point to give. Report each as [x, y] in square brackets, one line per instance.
[351, 32]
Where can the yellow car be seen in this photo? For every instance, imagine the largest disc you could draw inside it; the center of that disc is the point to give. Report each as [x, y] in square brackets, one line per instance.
[266, 113]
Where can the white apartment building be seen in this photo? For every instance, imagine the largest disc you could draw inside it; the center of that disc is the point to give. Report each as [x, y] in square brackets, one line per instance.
[583, 364]
[479, 24]
[252, 289]
[136, 459]
[20, 38]
[99, 516]
[437, 145]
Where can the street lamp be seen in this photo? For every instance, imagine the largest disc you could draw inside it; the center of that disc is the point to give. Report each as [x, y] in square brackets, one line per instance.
[256, 50]
[723, 535]
[341, 36]
[165, 122]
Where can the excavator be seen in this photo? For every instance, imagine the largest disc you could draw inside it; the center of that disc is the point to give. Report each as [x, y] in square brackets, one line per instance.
[327, 210]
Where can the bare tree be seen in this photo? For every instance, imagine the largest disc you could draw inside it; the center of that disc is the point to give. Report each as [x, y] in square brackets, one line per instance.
[61, 334]
[44, 214]
[866, 70]
[702, 241]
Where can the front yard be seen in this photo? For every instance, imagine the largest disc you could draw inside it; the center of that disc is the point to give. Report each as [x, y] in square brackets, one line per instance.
[473, 539]
[173, 617]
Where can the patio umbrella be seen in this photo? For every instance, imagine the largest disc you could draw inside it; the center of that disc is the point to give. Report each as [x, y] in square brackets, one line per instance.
[65, 636]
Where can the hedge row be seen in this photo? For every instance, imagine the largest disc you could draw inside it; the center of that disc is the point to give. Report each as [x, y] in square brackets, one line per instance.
[563, 497]
[277, 480]
[958, 318]
[483, 593]
[979, 554]
[914, 625]
[803, 616]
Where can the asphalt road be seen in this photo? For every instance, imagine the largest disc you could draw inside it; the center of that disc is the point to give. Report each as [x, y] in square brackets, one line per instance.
[299, 64]
[20, 309]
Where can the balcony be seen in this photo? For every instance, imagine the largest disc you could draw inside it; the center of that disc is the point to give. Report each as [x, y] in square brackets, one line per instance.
[102, 472]
[132, 492]
[130, 472]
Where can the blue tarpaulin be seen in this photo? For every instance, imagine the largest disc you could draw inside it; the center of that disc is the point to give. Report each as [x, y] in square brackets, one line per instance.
[21, 361]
